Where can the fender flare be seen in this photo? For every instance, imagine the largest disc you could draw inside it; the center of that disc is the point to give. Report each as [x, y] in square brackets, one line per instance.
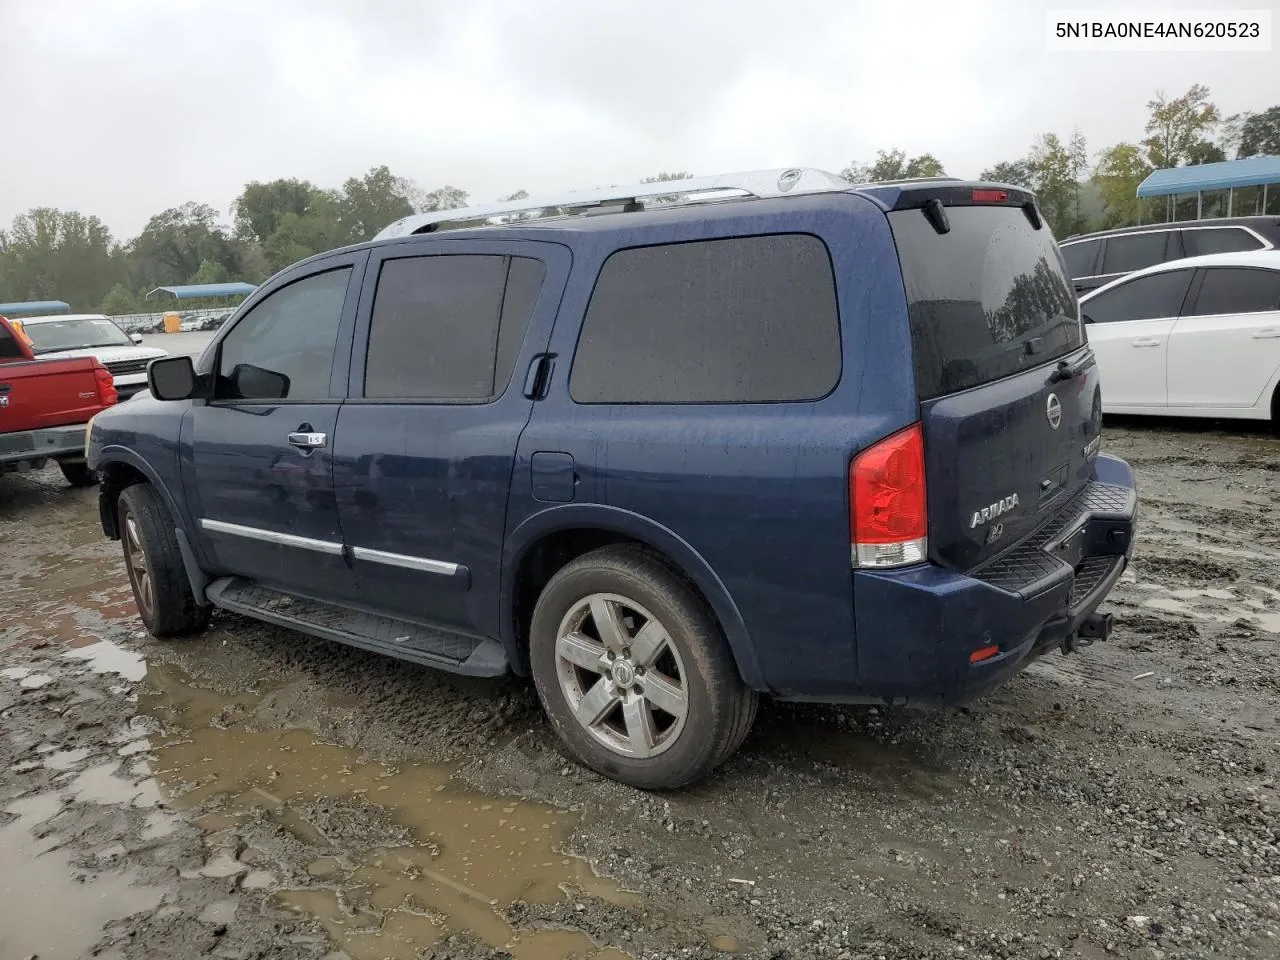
[640, 528]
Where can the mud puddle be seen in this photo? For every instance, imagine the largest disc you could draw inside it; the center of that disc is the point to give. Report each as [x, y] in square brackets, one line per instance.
[389, 859]
[46, 910]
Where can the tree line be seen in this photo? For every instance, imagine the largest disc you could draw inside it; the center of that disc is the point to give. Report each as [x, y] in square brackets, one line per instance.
[66, 255]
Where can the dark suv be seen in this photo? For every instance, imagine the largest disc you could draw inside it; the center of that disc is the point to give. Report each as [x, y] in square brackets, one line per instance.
[1095, 259]
[768, 434]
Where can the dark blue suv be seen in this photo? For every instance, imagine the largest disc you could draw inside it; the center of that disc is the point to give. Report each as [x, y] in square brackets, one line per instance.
[663, 448]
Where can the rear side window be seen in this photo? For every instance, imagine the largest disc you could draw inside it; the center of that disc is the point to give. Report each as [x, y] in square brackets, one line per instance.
[740, 320]
[1079, 258]
[1218, 240]
[448, 327]
[1134, 252]
[1237, 290]
[987, 299]
[1156, 296]
[9, 349]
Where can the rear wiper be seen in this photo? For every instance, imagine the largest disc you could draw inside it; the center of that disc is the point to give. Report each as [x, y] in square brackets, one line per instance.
[1069, 371]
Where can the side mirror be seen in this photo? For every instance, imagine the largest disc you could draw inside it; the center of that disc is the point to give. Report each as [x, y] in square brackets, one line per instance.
[172, 378]
[257, 383]
[135, 337]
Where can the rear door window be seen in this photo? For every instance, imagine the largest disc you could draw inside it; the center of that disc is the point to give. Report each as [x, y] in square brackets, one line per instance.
[1080, 257]
[449, 327]
[1124, 254]
[1227, 290]
[1201, 240]
[986, 300]
[738, 320]
[1155, 296]
[9, 349]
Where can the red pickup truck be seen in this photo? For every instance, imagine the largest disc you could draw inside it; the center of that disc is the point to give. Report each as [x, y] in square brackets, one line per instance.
[44, 406]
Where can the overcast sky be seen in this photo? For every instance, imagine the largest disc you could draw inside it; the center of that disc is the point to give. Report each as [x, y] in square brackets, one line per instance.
[124, 108]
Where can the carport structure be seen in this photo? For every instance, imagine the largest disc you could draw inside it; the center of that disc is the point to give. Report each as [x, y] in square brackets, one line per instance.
[204, 291]
[1229, 175]
[34, 308]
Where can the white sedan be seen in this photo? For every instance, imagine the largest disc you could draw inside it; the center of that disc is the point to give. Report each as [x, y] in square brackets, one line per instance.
[1193, 338]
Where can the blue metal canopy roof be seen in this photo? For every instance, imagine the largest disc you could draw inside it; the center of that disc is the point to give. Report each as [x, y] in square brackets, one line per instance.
[193, 291]
[33, 308]
[1250, 172]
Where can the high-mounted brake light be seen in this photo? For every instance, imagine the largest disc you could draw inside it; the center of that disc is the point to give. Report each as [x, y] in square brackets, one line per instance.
[888, 508]
[990, 196]
[106, 386]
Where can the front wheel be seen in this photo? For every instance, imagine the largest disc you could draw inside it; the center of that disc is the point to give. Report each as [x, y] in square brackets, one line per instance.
[78, 474]
[151, 556]
[634, 671]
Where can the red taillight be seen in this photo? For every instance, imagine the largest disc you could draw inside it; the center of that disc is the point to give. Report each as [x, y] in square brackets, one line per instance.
[990, 196]
[106, 386]
[983, 653]
[888, 509]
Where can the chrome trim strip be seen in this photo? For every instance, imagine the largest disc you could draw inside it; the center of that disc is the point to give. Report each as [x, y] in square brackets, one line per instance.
[407, 562]
[271, 536]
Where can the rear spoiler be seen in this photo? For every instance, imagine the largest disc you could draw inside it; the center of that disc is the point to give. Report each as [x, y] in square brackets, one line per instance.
[933, 197]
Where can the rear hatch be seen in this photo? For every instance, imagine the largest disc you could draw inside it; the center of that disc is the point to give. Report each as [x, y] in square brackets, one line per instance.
[1009, 393]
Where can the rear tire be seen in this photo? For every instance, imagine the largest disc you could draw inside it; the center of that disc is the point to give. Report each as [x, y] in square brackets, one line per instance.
[78, 474]
[652, 698]
[154, 563]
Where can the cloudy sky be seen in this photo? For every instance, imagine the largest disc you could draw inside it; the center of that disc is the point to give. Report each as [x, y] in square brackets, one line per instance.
[126, 107]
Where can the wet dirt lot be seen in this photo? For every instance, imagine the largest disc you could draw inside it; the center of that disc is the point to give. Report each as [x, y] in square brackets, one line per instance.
[256, 794]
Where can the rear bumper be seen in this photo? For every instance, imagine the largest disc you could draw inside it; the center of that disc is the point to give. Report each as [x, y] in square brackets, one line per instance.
[917, 628]
[39, 444]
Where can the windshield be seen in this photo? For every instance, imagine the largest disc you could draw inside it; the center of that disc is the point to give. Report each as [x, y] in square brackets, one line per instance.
[75, 335]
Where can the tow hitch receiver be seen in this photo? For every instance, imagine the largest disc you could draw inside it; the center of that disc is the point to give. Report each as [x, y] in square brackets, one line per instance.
[1097, 626]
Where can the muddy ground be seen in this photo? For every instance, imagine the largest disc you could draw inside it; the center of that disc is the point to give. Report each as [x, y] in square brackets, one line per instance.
[257, 794]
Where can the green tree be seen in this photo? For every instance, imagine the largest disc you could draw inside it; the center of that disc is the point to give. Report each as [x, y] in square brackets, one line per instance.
[442, 198]
[373, 201]
[298, 237]
[1051, 163]
[1258, 133]
[1015, 172]
[894, 165]
[1117, 173]
[1179, 130]
[210, 272]
[51, 254]
[511, 197]
[174, 244]
[119, 301]
[261, 206]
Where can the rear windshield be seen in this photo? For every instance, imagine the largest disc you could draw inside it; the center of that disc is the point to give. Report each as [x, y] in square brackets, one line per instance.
[986, 300]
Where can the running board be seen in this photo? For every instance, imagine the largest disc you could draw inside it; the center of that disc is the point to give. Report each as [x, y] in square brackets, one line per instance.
[429, 646]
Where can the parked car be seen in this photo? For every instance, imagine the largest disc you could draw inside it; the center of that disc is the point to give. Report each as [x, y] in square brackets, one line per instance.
[1095, 259]
[216, 321]
[1198, 337]
[94, 335]
[44, 406]
[663, 460]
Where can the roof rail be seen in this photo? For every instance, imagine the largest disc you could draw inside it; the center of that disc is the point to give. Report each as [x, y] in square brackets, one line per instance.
[756, 183]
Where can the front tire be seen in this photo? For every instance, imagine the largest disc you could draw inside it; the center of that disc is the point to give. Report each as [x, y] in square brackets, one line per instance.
[151, 556]
[634, 672]
[78, 474]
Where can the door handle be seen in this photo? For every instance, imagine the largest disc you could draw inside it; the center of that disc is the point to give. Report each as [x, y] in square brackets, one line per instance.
[1146, 342]
[1267, 333]
[308, 441]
